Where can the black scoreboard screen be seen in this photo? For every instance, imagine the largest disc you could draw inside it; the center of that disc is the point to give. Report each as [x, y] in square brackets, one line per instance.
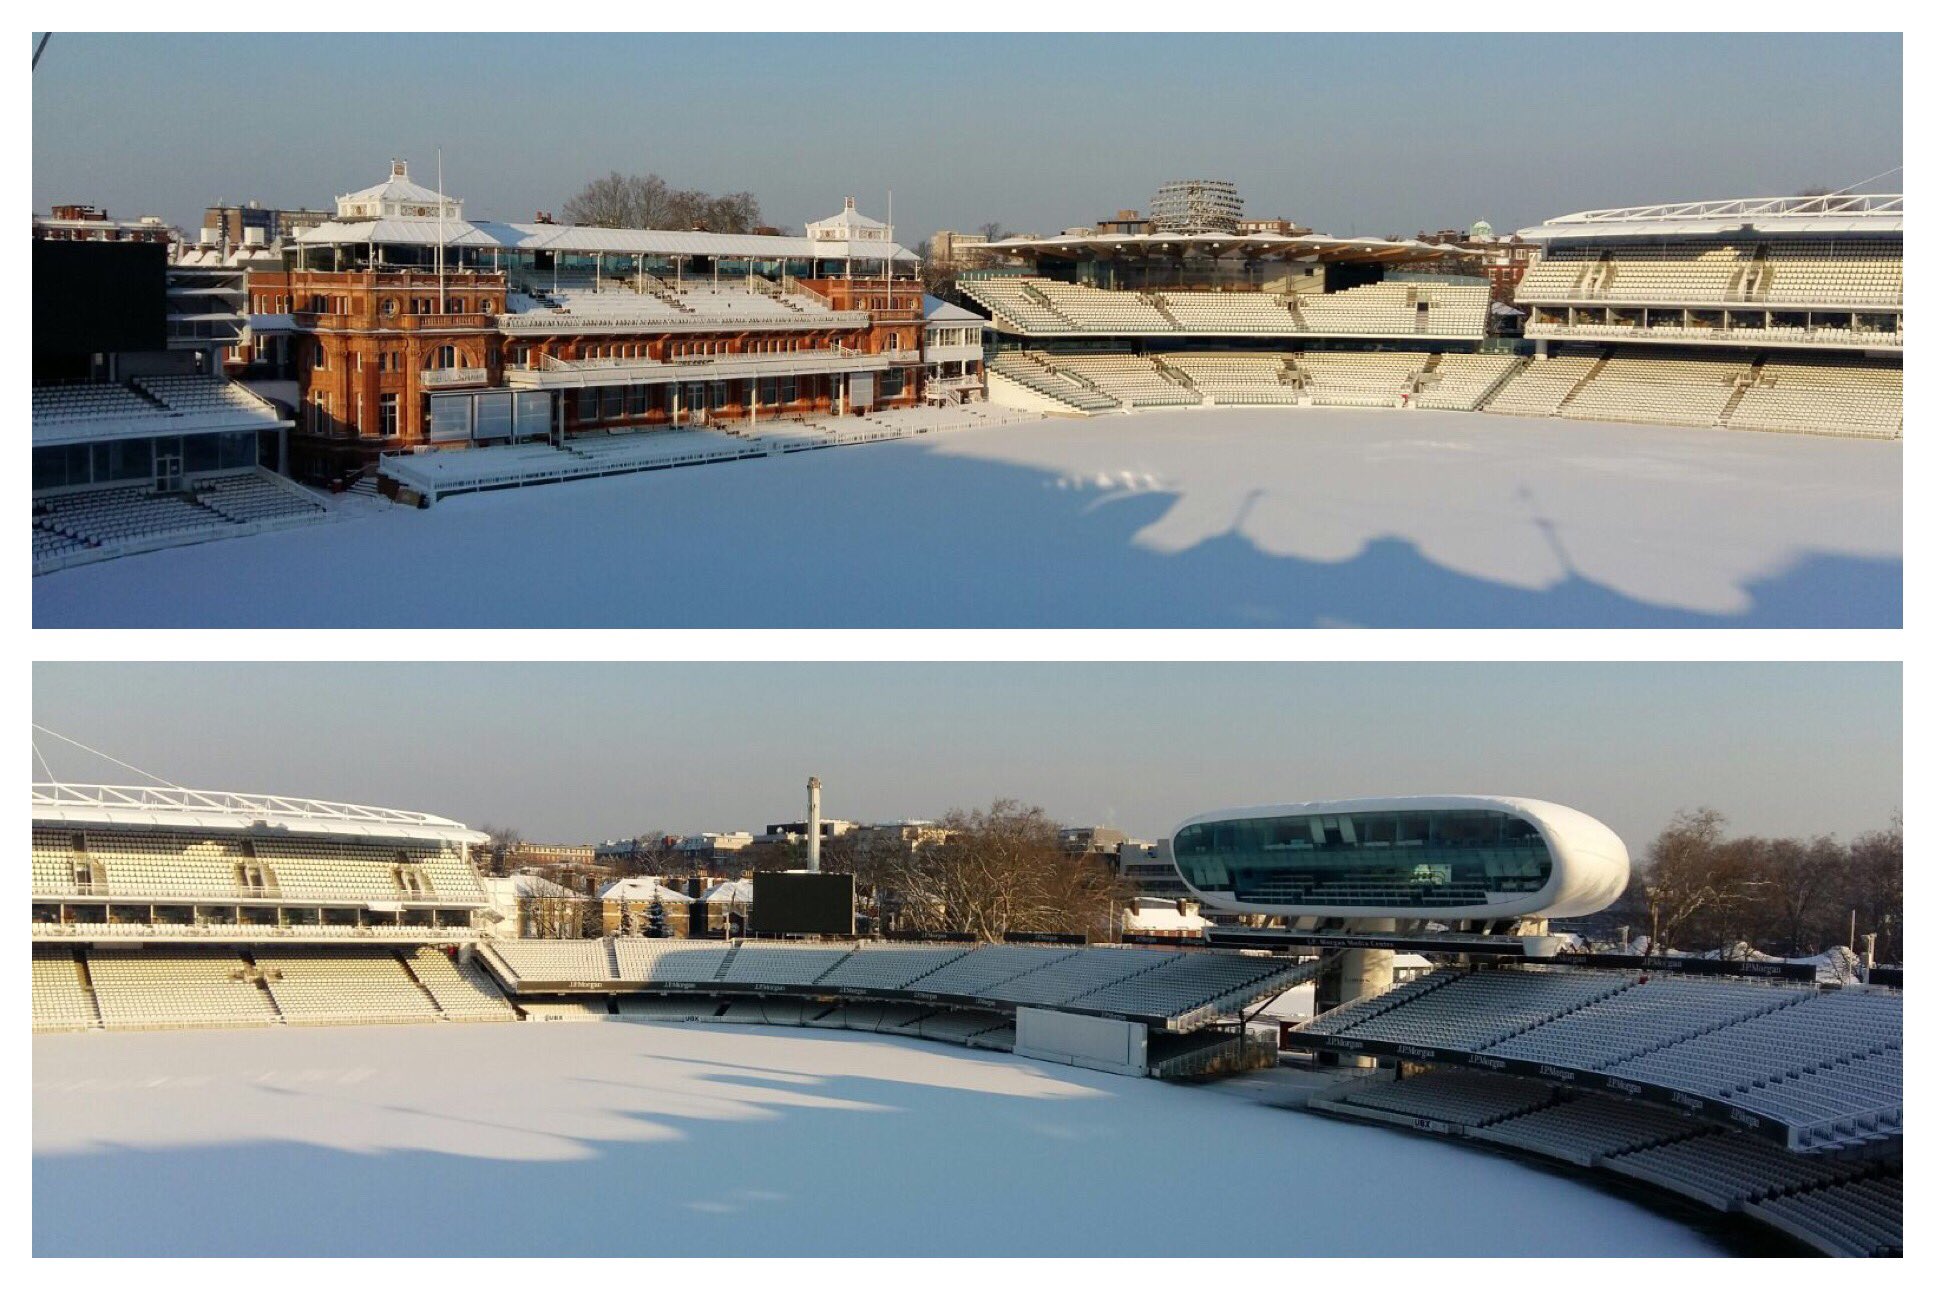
[99, 298]
[819, 904]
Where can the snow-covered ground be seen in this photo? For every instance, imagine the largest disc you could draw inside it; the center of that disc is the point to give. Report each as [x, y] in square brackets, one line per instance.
[619, 1138]
[1221, 517]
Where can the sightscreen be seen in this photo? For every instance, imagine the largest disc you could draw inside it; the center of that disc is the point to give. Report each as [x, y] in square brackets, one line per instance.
[802, 903]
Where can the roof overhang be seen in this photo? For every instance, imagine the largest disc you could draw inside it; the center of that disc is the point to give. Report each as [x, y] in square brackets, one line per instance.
[576, 239]
[144, 806]
[1853, 213]
[1252, 246]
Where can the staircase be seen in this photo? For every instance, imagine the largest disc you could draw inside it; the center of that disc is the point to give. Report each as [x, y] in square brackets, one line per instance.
[1162, 307]
[1573, 393]
[1740, 387]
[410, 970]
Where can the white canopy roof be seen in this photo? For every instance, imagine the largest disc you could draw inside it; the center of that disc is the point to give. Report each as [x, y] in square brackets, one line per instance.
[1317, 245]
[187, 808]
[1773, 216]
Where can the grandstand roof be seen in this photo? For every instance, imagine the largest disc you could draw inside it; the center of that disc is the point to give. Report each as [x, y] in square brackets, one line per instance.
[149, 806]
[1784, 216]
[587, 240]
[1314, 246]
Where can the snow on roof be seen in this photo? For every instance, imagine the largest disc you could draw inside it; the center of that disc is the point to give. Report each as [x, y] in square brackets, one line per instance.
[935, 309]
[642, 890]
[739, 891]
[398, 187]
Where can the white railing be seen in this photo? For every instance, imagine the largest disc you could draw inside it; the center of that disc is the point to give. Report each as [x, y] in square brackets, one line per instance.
[435, 378]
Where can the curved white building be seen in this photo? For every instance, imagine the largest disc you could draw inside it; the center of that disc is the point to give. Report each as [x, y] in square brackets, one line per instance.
[1446, 858]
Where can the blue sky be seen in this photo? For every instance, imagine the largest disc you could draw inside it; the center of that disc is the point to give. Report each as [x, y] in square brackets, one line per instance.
[570, 752]
[1370, 134]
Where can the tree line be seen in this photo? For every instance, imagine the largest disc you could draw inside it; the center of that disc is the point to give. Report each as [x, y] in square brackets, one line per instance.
[1698, 889]
[647, 201]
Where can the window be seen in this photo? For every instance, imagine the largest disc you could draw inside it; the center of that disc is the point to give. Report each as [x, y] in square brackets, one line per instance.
[320, 357]
[386, 415]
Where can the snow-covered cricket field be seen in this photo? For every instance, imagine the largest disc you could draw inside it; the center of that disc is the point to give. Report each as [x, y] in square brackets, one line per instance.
[621, 1138]
[1221, 517]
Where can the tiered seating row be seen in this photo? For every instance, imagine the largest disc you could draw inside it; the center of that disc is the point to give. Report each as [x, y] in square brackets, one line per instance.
[1823, 1065]
[1036, 306]
[152, 988]
[138, 863]
[1792, 271]
[1844, 1205]
[322, 989]
[62, 1000]
[1185, 989]
[1809, 395]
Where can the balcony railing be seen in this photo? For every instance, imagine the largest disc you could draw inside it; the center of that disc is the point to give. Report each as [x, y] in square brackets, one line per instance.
[444, 378]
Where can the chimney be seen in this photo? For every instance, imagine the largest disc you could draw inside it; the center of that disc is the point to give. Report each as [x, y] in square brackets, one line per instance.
[813, 824]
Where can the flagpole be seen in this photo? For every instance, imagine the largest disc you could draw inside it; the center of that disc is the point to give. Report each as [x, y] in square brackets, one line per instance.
[440, 288]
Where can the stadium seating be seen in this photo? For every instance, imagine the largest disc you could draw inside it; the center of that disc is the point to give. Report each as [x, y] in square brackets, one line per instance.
[1034, 372]
[1019, 303]
[1067, 979]
[62, 999]
[203, 395]
[1483, 1008]
[780, 964]
[974, 975]
[1823, 395]
[1589, 1129]
[1790, 271]
[321, 988]
[889, 967]
[1824, 1065]
[154, 989]
[1671, 388]
[1539, 388]
[1469, 1099]
[1725, 1170]
[668, 962]
[1103, 312]
[1343, 378]
[253, 499]
[1856, 1219]
[1130, 380]
[1231, 313]
[1236, 378]
[1652, 1014]
[1460, 382]
[463, 991]
[553, 960]
[1035, 306]
[63, 404]
[1184, 984]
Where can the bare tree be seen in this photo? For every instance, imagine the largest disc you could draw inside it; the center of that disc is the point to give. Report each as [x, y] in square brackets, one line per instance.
[503, 846]
[604, 203]
[1001, 870]
[647, 201]
[1795, 880]
[1685, 874]
[1873, 889]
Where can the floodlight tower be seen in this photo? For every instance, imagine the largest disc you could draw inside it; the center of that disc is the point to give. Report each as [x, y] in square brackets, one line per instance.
[813, 824]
